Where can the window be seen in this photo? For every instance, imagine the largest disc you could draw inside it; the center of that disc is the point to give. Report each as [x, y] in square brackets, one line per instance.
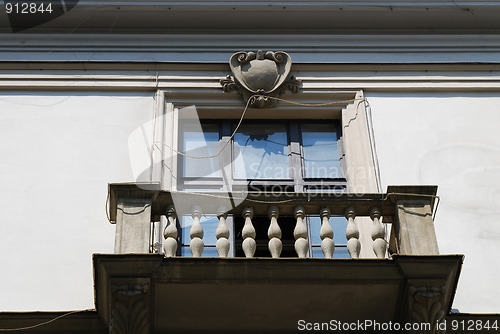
[260, 151]
[297, 156]
[276, 156]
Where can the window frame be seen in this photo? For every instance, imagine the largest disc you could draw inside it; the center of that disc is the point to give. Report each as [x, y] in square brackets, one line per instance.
[297, 181]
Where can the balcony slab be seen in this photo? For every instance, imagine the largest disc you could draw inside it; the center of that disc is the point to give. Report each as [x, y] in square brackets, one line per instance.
[223, 295]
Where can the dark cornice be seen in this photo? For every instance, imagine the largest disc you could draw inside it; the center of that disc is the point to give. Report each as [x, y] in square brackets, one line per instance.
[271, 16]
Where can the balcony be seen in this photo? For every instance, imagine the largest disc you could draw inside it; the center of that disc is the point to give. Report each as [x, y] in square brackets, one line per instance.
[137, 208]
[405, 280]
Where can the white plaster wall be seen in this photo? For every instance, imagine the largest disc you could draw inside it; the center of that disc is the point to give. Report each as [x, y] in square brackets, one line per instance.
[58, 152]
[451, 140]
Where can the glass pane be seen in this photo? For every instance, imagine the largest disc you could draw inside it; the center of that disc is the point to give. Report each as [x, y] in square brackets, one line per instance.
[261, 152]
[209, 225]
[201, 142]
[318, 253]
[208, 251]
[338, 224]
[341, 252]
[321, 156]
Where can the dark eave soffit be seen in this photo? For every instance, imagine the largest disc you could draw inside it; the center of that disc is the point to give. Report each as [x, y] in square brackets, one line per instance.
[271, 17]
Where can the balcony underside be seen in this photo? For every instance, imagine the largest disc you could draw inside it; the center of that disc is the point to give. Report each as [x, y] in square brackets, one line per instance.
[182, 295]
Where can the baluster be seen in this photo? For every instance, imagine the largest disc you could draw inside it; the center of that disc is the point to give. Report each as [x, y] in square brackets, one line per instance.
[274, 233]
[300, 233]
[170, 233]
[249, 245]
[222, 233]
[196, 233]
[378, 234]
[326, 233]
[352, 234]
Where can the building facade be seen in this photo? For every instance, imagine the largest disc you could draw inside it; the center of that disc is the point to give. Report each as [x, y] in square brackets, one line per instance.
[100, 106]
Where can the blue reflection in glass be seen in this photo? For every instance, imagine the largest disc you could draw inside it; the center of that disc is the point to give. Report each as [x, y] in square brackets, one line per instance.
[321, 156]
[208, 251]
[341, 252]
[261, 152]
[338, 224]
[209, 224]
[201, 143]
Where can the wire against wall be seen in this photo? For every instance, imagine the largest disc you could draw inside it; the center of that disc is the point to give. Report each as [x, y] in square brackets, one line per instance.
[418, 195]
[373, 145]
[107, 209]
[156, 110]
[300, 199]
[108, 197]
[295, 103]
[289, 200]
[241, 120]
[43, 323]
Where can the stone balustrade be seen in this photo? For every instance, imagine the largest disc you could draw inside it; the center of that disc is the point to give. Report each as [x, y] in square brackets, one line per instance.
[274, 233]
[407, 208]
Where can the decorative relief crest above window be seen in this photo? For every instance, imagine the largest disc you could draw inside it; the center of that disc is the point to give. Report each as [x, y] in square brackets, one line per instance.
[260, 77]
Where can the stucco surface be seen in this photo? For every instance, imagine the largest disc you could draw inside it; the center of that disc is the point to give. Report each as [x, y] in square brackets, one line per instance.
[58, 151]
[451, 140]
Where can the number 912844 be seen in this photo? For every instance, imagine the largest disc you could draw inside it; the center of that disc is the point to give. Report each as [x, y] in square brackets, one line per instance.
[28, 7]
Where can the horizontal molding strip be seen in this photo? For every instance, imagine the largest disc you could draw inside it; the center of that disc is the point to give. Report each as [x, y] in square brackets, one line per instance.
[304, 48]
[188, 78]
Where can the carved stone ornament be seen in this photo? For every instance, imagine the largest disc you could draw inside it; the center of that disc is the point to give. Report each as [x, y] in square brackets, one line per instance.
[260, 77]
[130, 313]
[426, 305]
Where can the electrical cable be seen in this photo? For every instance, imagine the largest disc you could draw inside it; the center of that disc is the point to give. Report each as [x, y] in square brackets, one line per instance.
[222, 148]
[236, 198]
[155, 116]
[241, 120]
[418, 195]
[107, 209]
[284, 201]
[311, 104]
[373, 146]
[108, 196]
[301, 199]
[43, 323]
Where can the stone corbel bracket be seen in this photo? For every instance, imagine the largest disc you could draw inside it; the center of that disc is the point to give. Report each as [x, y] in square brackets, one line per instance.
[260, 77]
[426, 304]
[130, 308]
